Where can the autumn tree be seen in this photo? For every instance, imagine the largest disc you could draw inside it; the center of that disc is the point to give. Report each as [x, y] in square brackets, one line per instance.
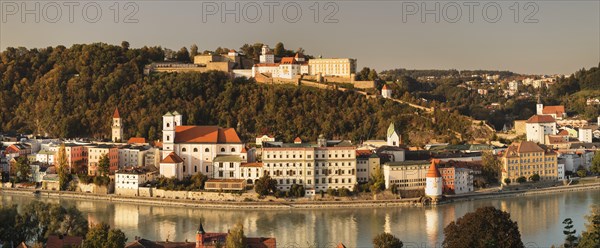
[591, 236]
[236, 237]
[22, 169]
[377, 181]
[104, 165]
[486, 227]
[102, 236]
[386, 240]
[490, 166]
[595, 168]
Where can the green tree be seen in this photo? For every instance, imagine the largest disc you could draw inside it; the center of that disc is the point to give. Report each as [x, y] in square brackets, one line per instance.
[521, 179]
[490, 166]
[102, 236]
[23, 170]
[193, 52]
[125, 45]
[236, 237]
[591, 236]
[64, 175]
[279, 50]
[183, 55]
[265, 185]
[386, 240]
[581, 172]
[569, 232]
[103, 165]
[197, 181]
[39, 220]
[507, 181]
[595, 168]
[486, 227]
[9, 230]
[377, 181]
[534, 177]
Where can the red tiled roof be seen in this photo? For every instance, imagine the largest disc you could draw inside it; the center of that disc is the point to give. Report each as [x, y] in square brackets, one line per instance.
[205, 134]
[384, 87]
[340, 245]
[297, 139]
[528, 146]
[136, 140]
[557, 110]
[255, 164]
[266, 64]
[244, 149]
[540, 119]
[363, 152]
[288, 61]
[57, 242]
[172, 158]
[116, 113]
[563, 132]
[433, 171]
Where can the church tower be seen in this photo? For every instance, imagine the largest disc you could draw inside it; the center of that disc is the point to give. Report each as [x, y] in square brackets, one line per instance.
[539, 107]
[117, 127]
[386, 92]
[200, 237]
[170, 121]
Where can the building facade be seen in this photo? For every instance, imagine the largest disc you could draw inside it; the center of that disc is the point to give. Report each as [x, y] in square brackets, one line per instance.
[525, 159]
[538, 126]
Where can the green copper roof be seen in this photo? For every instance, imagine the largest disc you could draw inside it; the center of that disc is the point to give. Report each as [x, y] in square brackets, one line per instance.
[168, 114]
[391, 129]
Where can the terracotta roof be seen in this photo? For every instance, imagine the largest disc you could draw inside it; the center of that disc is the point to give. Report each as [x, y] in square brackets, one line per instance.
[266, 64]
[363, 153]
[541, 119]
[528, 146]
[225, 180]
[557, 110]
[384, 87]
[232, 51]
[116, 113]
[58, 242]
[255, 164]
[340, 245]
[134, 140]
[556, 139]
[172, 158]
[433, 171]
[205, 134]
[297, 139]
[288, 61]
[158, 144]
[244, 149]
[563, 132]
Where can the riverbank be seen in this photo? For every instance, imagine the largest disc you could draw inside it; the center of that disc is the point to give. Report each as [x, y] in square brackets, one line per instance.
[292, 204]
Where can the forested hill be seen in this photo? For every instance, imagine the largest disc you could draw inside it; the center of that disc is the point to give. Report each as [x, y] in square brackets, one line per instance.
[72, 92]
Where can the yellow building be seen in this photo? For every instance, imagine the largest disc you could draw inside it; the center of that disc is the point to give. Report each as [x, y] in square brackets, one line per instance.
[525, 159]
[332, 67]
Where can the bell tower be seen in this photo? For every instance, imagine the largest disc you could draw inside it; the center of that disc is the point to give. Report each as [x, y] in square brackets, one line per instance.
[200, 237]
[117, 127]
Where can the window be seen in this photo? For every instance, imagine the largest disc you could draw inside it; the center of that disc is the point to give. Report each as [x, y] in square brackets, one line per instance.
[232, 149]
[195, 168]
[206, 150]
[184, 168]
[168, 138]
[195, 149]
[231, 174]
[222, 149]
[168, 124]
[183, 149]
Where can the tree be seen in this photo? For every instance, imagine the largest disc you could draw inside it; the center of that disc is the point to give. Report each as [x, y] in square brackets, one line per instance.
[265, 185]
[534, 177]
[183, 55]
[39, 220]
[197, 181]
[386, 240]
[490, 166]
[9, 230]
[102, 236]
[521, 179]
[377, 181]
[64, 175]
[279, 50]
[103, 165]
[507, 181]
[569, 232]
[236, 238]
[595, 168]
[125, 45]
[22, 168]
[486, 227]
[193, 52]
[581, 172]
[591, 236]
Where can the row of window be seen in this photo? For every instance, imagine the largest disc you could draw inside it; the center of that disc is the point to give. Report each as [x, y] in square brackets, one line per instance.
[205, 149]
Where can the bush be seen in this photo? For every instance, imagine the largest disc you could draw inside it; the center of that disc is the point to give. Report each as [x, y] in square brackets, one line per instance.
[521, 180]
[332, 192]
[279, 194]
[581, 173]
[343, 192]
[534, 178]
[507, 181]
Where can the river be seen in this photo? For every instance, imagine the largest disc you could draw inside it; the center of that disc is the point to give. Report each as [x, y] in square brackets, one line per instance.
[539, 218]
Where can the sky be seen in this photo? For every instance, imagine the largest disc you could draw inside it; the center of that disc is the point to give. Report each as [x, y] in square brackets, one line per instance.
[529, 37]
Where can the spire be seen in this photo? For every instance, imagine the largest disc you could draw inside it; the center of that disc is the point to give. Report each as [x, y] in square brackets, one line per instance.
[200, 229]
[391, 129]
[116, 113]
[433, 171]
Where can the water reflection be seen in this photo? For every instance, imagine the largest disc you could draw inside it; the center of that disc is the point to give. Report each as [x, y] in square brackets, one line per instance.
[539, 219]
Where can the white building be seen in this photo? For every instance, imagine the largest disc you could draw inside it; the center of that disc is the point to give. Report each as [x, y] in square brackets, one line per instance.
[132, 156]
[538, 126]
[45, 157]
[266, 55]
[406, 175]
[133, 178]
[366, 164]
[585, 134]
[198, 146]
[264, 138]
[561, 171]
[328, 164]
[386, 91]
[463, 180]
[251, 171]
[342, 67]
[393, 138]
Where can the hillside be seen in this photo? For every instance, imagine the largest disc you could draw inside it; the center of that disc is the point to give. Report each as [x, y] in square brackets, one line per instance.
[71, 92]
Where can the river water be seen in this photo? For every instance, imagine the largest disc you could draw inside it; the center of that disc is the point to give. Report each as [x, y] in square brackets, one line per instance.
[539, 218]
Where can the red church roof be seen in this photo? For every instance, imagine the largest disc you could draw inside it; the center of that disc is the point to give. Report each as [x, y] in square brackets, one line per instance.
[172, 158]
[116, 113]
[205, 134]
[541, 119]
